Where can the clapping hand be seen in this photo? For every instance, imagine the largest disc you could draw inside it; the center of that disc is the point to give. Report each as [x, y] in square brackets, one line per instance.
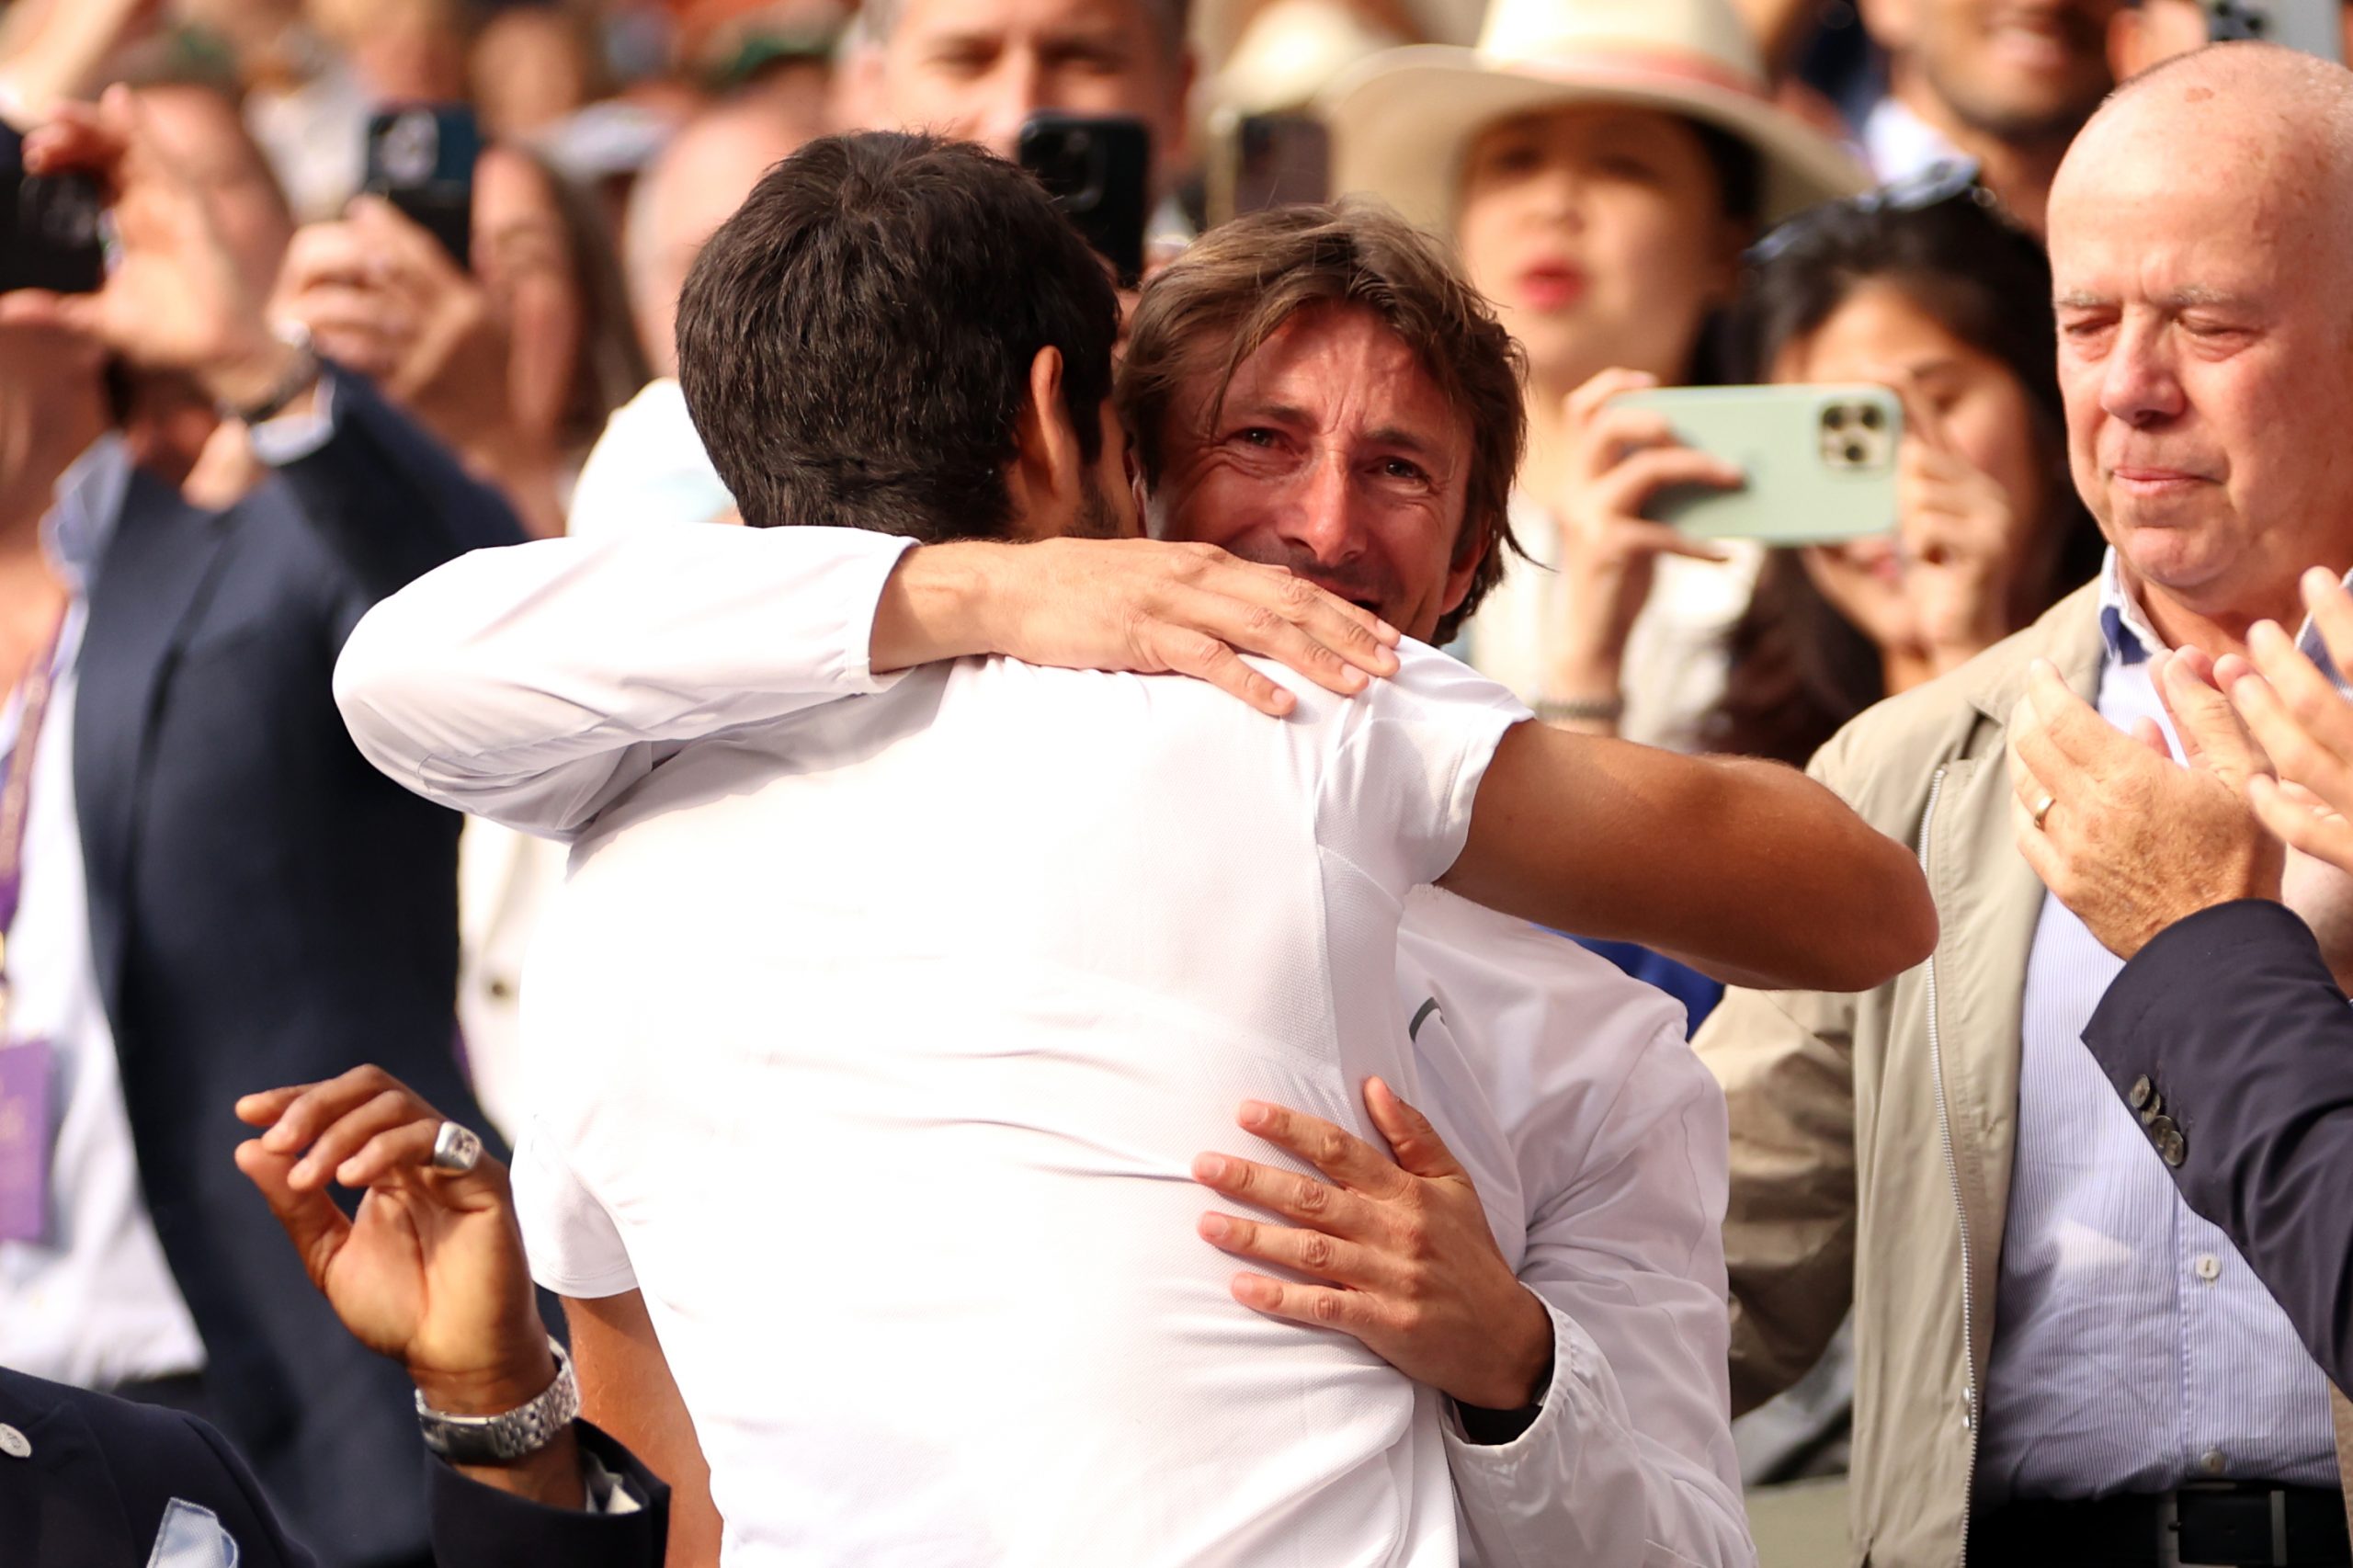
[2123, 835]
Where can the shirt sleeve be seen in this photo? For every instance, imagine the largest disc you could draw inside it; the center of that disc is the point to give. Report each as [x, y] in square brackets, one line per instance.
[1406, 757]
[533, 685]
[1629, 1458]
[574, 1247]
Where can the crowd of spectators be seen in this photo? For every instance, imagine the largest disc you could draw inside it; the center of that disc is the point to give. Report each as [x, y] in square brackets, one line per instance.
[1925, 1058]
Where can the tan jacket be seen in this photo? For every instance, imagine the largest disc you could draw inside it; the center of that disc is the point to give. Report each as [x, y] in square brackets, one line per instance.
[1872, 1134]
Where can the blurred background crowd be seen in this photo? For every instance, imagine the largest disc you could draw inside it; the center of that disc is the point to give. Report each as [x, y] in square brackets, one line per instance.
[1605, 171]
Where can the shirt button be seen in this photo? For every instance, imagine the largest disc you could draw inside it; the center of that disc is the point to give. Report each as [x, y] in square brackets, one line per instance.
[2210, 1267]
[2211, 1461]
[14, 1444]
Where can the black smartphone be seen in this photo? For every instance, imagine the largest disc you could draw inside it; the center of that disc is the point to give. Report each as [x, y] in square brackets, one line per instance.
[1269, 160]
[2315, 26]
[49, 226]
[421, 159]
[1098, 170]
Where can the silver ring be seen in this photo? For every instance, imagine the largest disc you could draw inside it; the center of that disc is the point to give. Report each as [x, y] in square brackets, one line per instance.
[2042, 810]
[455, 1149]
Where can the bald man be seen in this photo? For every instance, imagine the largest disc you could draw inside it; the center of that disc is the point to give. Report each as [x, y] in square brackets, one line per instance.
[2056, 1360]
[695, 185]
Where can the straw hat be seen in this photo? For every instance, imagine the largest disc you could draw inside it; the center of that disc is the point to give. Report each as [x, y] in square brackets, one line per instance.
[1401, 121]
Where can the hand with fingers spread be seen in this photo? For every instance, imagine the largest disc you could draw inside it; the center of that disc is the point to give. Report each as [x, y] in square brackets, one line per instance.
[2123, 835]
[1608, 551]
[174, 298]
[2304, 723]
[1399, 1244]
[1130, 605]
[430, 1271]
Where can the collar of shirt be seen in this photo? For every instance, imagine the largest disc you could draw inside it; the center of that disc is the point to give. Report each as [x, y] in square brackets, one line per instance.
[2123, 624]
[2125, 628]
[1897, 141]
[88, 505]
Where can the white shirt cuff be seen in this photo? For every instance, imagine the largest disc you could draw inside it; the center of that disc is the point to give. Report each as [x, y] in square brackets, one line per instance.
[289, 438]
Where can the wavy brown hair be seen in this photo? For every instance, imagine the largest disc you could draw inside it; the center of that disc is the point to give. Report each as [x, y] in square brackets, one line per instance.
[1218, 304]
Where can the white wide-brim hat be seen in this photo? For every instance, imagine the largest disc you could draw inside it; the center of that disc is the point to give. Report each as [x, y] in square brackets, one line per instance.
[1401, 121]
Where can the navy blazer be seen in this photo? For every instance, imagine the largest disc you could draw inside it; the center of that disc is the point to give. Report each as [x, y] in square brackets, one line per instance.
[99, 1474]
[2247, 1046]
[266, 908]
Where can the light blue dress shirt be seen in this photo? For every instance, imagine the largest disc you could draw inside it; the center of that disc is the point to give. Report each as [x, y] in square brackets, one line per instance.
[2133, 1349]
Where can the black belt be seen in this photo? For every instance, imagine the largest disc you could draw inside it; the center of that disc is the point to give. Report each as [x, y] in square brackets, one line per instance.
[2233, 1524]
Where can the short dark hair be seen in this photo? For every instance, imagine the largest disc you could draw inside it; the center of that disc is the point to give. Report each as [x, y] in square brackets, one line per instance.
[855, 343]
[1217, 304]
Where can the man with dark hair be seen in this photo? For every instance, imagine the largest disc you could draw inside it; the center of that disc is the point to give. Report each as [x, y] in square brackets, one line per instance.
[1106, 847]
[2004, 84]
[861, 262]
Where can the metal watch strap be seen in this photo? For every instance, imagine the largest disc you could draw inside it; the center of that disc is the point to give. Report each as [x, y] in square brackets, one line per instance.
[504, 1438]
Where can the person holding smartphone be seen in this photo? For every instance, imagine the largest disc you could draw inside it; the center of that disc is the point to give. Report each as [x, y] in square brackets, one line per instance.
[1600, 168]
[1916, 292]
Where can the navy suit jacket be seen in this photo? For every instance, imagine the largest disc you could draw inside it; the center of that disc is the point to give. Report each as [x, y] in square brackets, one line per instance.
[101, 1472]
[2246, 1043]
[266, 908]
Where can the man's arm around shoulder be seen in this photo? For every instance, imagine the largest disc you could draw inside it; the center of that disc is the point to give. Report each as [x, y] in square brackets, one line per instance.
[1749, 870]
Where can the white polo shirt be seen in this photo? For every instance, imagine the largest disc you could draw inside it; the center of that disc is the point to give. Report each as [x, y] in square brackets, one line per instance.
[993, 954]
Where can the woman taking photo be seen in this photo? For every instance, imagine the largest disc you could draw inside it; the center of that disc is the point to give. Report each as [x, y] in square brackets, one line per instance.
[1600, 166]
[1918, 288]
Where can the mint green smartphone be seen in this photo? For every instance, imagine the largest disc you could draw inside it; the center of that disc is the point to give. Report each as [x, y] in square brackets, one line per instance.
[1820, 460]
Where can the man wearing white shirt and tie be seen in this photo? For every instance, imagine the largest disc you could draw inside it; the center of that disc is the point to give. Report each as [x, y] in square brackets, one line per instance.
[925, 904]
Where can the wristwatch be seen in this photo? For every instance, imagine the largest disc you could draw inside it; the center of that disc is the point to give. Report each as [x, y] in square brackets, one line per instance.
[297, 381]
[513, 1434]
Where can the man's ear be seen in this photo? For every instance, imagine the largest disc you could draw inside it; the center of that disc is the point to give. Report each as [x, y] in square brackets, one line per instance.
[1046, 480]
[1463, 569]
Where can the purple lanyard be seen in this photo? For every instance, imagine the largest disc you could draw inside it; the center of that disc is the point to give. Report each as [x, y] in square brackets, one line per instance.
[16, 788]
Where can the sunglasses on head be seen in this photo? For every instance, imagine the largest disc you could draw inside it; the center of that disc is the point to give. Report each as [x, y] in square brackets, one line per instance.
[1946, 180]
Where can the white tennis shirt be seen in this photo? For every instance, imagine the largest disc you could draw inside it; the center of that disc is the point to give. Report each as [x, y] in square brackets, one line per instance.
[982, 961]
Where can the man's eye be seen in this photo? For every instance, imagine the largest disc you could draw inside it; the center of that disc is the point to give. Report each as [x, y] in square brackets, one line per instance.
[1256, 435]
[1093, 61]
[1398, 468]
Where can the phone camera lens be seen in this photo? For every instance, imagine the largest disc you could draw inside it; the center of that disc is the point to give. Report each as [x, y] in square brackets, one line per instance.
[1871, 416]
[1856, 453]
[1835, 418]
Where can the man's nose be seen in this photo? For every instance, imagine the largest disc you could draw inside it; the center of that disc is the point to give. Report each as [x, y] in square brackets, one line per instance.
[1321, 516]
[2139, 386]
[1017, 90]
